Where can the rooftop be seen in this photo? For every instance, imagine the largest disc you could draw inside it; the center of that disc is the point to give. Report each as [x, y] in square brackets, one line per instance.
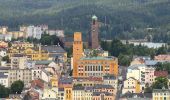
[43, 62]
[2, 75]
[99, 86]
[161, 90]
[99, 93]
[98, 58]
[53, 49]
[109, 77]
[161, 73]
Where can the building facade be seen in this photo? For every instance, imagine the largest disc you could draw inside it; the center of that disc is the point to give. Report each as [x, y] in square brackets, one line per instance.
[20, 74]
[96, 66]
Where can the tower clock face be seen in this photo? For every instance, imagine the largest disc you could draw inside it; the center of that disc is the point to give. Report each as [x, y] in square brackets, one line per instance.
[94, 30]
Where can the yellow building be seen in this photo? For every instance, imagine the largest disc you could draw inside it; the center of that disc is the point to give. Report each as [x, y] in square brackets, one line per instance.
[23, 45]
[68, 93]
[161, 94]
[35, 53]
[17, 34]
[54, 81]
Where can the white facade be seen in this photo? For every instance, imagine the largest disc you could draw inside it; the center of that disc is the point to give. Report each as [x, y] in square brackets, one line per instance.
[34, 31]
[58, 33]
[19, 62]
[36, 73]
[82, 95]
[6, 37]
[50, 94]
[129, 85]
[4, 79]
[3, 53]
[45, 76]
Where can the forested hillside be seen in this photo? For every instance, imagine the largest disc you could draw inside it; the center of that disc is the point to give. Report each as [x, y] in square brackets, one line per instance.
[123, 18]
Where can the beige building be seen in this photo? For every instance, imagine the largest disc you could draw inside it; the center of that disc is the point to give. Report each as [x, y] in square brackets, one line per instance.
[17, 34]
[3, 29]
[18, 61]
[110, 80]
[20, 74]
[131, 85]
[50, 94]
[161, 94]
[82, 93]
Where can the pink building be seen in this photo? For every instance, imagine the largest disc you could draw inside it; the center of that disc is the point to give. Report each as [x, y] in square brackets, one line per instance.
[149, 75]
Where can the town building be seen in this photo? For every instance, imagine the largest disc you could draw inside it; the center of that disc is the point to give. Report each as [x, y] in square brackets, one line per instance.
[3, 52]
[17, 34]
[88, 81]
[58, 33]
[110, 80]
[161, 94]
[142, 73]
[5, 37]
[96, 66]
[4, 79]
[18, 61]
[20, 74]
[23, 45]
[35, 53]
[56, 52]
[82, 93]
[131, 85]
[85, 66]
[162, 57]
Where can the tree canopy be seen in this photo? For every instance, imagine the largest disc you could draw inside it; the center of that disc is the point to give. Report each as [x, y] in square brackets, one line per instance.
[17, 87]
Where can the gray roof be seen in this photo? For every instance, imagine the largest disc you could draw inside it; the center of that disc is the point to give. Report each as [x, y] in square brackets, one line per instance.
[99, 86]
[98, 58]
[53, 49]
[99, 93]
[136, 66]
[43, 62]
[5, 68]
[137, 95]
[78, 88]
[161, 90]
[151, 62]
[66, 80]
[2, 75]
[109, 77]
[60, 89]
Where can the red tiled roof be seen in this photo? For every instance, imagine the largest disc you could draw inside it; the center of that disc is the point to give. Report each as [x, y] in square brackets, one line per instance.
[161, 73]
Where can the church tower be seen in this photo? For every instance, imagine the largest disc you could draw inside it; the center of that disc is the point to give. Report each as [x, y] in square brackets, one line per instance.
[94, 38]
[77, 51]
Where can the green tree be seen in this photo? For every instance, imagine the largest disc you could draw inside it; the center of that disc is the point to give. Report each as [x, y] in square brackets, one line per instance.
[17, 87]
[160, 82]
[4, 92]
[124, 60]
[6, 58]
